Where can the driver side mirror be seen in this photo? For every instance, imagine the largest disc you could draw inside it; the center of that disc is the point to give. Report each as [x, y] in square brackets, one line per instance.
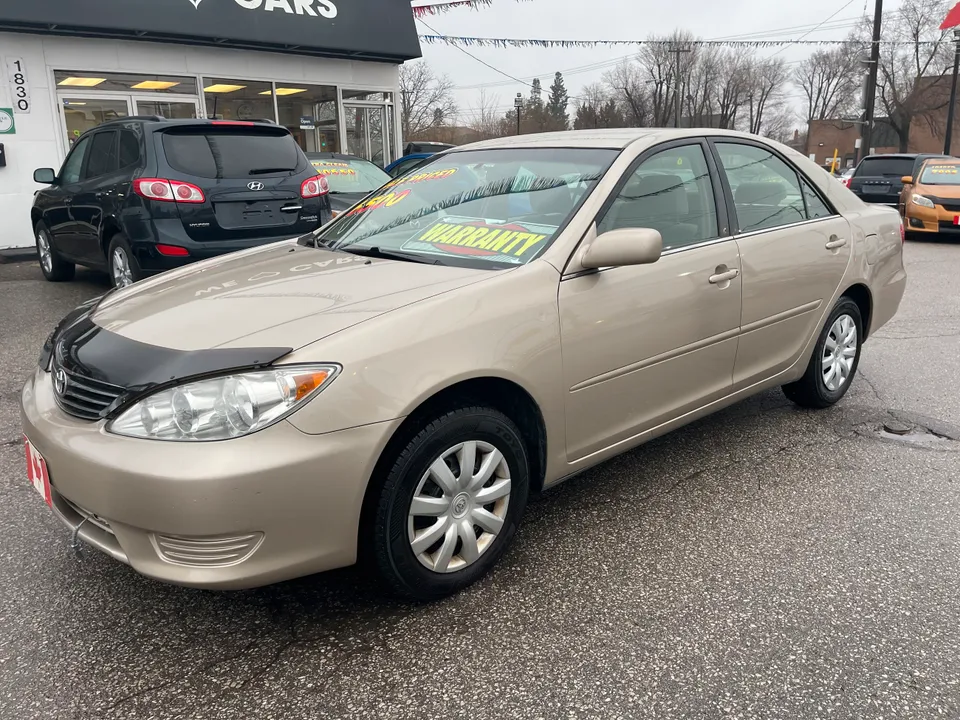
[907, 179]
[45, 176]
[626, 246]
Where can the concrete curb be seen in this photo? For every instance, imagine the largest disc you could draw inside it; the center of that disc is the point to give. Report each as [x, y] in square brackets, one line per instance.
[14, 255]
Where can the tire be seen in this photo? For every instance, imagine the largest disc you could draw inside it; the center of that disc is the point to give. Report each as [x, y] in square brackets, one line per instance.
[53, 267]
[815, 389]
[391, 529]
[123, 266]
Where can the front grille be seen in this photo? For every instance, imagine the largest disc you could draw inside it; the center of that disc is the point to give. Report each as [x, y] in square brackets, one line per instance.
[82, 396]
[88, 516]
[948, 227]
[208, 551]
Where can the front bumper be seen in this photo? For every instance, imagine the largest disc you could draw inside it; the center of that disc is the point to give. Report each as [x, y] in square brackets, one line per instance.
[241, 513]
[930, 220]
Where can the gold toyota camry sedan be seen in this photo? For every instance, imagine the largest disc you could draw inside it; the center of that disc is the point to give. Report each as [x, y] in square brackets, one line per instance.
[393, 387]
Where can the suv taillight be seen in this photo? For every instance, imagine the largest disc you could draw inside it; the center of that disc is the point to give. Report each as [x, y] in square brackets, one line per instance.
[168, 190]
[847, 181]
[903, 232]
[314, 187]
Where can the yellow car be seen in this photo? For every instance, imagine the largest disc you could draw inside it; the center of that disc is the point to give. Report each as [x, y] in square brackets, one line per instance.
[930, 203]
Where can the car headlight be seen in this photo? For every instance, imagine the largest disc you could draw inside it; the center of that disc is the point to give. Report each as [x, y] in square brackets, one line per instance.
[922, 201]
[223, 407]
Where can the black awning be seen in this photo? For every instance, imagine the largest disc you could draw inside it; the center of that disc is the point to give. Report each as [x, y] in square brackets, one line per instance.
[358, 29]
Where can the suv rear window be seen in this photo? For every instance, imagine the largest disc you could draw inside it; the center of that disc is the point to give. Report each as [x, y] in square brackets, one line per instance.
[214, 153]
[885, 166]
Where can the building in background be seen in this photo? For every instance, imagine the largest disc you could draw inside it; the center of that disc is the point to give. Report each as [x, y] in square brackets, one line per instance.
[325, 69]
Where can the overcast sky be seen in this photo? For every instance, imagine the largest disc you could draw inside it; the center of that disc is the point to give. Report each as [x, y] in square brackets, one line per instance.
[614, 20]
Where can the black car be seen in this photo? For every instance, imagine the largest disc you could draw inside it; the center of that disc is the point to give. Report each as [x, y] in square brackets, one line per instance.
[350, 178]
[877, 178]
[141, 195]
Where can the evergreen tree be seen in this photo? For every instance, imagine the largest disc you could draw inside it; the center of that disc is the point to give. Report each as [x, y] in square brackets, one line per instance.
[557, 104]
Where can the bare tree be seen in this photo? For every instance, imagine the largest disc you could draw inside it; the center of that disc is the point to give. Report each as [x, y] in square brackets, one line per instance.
[485, 118]
[766, 81]
[830, 81]
[426, 100]
[596, 108]
[912, 80]
[626, 87]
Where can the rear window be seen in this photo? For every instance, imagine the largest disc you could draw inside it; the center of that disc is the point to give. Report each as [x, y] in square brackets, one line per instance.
[231, 154]
[885, 166]
[349, 175]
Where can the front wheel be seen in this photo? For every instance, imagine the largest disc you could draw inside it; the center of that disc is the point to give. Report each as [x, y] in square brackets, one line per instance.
[835, 359]
[53, 267]
[450, 504]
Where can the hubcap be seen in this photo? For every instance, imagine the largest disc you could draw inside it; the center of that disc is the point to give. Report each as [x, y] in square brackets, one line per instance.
[122, 275]
[46, 255]
[839, 352]
[459, 507]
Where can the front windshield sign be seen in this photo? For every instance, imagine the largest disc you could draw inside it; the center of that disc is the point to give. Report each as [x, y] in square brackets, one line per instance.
[493, 207]
[940, 174]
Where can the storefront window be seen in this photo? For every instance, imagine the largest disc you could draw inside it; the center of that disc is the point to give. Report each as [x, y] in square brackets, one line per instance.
[366, 95]
[238, 99]
[71, 80]
[82, 114]
[309, 112]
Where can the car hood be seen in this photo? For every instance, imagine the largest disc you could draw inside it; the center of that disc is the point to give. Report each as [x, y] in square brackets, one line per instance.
[947, 192]
[279, 295]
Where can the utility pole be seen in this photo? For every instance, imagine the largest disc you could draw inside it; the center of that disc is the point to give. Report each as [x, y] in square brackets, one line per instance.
[677, 90]
[518, 104]
[870, 92]
[948, 136]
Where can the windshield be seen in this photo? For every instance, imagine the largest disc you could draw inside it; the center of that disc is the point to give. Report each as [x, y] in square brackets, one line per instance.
[885, 167]
[350, 175]
[498, 208]
[940, 174]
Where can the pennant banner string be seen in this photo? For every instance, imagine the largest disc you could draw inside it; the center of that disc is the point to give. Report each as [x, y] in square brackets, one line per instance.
[464, 41]
[420, 11]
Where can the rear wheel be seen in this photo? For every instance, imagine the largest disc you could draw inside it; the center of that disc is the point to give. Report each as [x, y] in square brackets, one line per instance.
[53, 267]
[449, 505]
[124, 268]
[834, 361]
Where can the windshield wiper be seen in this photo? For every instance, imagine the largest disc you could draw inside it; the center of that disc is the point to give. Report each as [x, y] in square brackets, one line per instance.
[264, 171]
[378, 252]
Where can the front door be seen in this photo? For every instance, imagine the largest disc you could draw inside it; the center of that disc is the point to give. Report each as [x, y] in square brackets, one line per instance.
[794, 252]
[366, 136]
[645, 344]
[57, 214]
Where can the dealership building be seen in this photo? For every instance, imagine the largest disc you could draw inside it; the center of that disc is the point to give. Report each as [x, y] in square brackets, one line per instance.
[326, 69]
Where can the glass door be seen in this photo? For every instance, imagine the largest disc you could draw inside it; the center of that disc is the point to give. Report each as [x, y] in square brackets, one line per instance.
[84, 112]
[170, 108]
[366, 136]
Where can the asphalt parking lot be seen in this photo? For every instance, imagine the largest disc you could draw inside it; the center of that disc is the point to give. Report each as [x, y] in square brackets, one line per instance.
[766, 562]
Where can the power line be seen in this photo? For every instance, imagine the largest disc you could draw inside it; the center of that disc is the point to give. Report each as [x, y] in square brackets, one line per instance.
[849, 3]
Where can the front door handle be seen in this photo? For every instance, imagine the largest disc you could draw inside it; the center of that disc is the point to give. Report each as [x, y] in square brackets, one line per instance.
[726, 276]
[835, 243]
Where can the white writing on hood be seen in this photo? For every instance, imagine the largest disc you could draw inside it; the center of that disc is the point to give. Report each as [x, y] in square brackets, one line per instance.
[325, 8]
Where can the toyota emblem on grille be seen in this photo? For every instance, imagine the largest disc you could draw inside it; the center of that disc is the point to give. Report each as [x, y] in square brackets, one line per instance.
[255, 185]
[60, 381]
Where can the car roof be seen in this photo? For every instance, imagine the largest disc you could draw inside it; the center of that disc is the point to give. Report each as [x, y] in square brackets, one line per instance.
[908, 156]
[613, 138]
[157, 122]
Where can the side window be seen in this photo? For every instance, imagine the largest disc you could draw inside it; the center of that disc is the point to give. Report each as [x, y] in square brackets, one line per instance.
[671, 192]
[70, 172]
[129, 153]
[816, 208]
[766, 191]
[103, 155]
[404, 166]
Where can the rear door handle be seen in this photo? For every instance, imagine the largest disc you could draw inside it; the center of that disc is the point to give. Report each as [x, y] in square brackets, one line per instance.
[724, 276]
[835, 243]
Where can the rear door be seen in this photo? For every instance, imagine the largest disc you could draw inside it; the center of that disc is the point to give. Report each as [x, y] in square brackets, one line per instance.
[250, 176]
[878, 179]
[94, 196]
[794, 251]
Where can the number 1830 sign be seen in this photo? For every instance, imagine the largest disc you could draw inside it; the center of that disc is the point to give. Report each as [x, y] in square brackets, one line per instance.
[19, 84]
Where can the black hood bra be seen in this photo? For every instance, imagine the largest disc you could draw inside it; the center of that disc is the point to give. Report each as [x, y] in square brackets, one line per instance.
[85, 349]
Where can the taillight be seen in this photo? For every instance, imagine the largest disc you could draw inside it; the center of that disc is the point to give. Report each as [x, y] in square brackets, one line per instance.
[847, 181]
[172, 250]
[244, 123]
[314, 187]
[168, 190]
[903, 232]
